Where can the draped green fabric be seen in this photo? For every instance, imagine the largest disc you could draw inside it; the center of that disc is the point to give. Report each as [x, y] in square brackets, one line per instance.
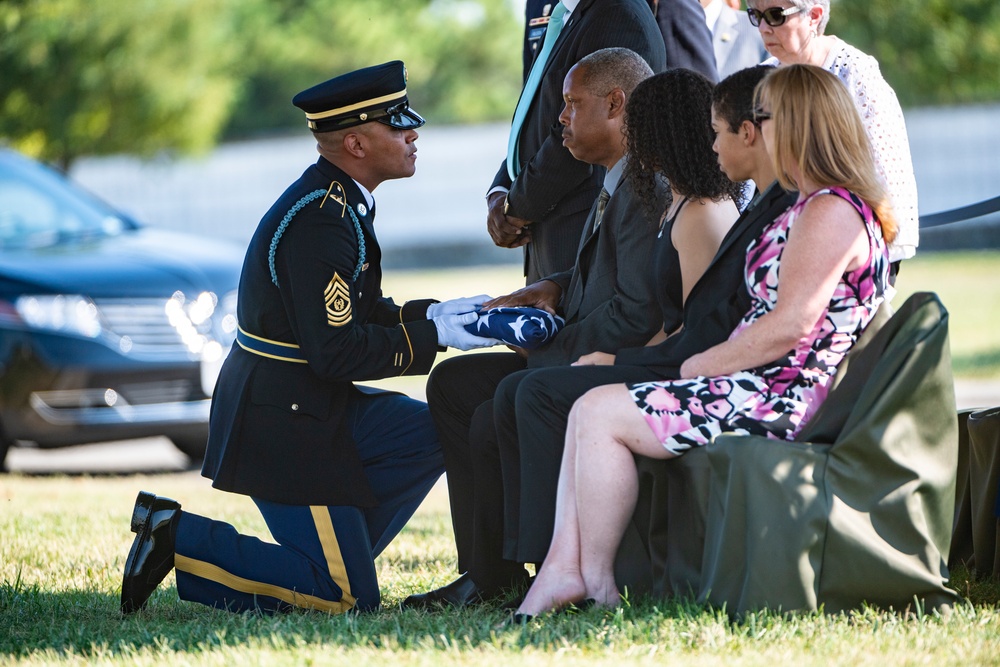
[961, 552]
[977, 527]
[861, 508]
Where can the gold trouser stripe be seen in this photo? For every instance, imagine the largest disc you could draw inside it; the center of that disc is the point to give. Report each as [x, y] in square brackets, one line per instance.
[215, 573]
[331, 549]
[410, 345]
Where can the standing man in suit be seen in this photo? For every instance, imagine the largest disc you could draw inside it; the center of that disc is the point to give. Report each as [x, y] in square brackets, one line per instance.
[608, 301]
[335, 469]
[531, 411]
[541, 194]
[737, 42]
[687, 39]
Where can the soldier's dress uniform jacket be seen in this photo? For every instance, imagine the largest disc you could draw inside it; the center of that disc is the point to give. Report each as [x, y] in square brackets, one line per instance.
[310, 301]
[335, 469]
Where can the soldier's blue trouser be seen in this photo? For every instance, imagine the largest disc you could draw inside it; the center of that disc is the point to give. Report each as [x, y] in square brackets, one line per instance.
[324, 556]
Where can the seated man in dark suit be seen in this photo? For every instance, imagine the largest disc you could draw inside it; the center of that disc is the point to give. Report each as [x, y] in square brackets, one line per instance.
[608, 302]
[531, 410]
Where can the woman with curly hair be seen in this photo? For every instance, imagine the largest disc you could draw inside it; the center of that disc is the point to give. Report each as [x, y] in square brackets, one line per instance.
[668, 130]
[816, 276]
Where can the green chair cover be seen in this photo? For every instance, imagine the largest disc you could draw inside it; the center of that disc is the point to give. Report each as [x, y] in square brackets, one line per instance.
[961, 552]
[861, 508]
[977, 527]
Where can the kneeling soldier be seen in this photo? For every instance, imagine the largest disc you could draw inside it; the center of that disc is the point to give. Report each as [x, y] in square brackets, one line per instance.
[335, 469]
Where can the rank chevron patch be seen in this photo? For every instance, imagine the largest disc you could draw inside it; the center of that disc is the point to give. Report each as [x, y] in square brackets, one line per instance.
[338, 302]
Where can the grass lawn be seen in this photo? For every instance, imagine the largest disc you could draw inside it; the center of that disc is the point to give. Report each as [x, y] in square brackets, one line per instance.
[969, 287]
[65, 540]
[63, 543]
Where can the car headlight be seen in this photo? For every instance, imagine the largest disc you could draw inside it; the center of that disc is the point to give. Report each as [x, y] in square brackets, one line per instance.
[187, 317]
[228, 322]
[193, 319]
[67, 313]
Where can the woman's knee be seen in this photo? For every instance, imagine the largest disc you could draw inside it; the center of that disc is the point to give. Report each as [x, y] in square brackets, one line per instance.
[602, 407]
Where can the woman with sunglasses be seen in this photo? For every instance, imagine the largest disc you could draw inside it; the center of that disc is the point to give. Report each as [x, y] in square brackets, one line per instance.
[794, 33]
[771, 376]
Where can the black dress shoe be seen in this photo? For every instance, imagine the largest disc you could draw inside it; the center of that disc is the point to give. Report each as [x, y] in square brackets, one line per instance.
[460, 593]
[154, 522]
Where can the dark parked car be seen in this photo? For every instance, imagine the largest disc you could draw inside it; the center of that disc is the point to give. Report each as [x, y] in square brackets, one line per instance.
[108, 330]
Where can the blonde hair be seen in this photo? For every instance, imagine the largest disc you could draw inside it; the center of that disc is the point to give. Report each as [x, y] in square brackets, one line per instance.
[817, 128]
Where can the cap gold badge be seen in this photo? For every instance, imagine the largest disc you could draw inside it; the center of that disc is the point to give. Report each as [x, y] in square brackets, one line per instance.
[338, 302]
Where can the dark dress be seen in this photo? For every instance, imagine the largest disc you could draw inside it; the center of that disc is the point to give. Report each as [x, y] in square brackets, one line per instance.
[667, 274]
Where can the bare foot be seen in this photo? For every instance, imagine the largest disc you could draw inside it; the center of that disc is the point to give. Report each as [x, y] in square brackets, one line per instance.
[553, 589]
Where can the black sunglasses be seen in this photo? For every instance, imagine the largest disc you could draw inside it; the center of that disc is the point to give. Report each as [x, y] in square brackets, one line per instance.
[773, 16]
[759, 116]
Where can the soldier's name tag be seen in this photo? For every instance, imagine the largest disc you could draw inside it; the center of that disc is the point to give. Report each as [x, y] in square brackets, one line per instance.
[338, 301]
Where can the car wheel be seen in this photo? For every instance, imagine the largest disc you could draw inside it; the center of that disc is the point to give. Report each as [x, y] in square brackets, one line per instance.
[192, 446]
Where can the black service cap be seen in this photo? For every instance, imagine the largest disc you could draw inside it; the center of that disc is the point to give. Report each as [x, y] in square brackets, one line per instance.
[372, 93]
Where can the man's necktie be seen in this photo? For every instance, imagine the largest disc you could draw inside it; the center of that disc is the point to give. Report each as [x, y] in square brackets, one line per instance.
[531, 87]
[602, 203]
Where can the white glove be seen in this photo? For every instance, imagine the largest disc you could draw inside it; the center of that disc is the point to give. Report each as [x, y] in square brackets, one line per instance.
[466, 304]
[451, 332]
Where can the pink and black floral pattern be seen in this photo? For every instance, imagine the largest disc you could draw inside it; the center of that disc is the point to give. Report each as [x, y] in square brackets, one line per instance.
[778, 399]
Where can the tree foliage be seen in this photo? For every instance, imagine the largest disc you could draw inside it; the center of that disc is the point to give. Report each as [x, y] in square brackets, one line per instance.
[84, 77]
[931, 51]
[462, 56]
[100, 76]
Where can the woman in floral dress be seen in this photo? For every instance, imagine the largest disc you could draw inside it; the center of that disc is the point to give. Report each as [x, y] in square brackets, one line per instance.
[769, 378]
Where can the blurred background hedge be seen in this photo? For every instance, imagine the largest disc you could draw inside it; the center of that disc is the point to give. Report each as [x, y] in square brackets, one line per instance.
[91, 77]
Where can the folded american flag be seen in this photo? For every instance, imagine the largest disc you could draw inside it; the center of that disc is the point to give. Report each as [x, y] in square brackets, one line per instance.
[520, 327]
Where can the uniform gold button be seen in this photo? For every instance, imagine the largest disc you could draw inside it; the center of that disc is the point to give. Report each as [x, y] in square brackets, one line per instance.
[295, 406]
